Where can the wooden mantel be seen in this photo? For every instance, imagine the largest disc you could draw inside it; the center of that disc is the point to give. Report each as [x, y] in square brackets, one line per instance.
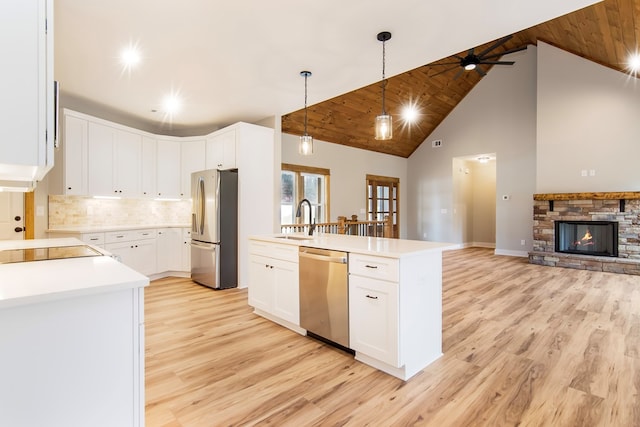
[621, 195]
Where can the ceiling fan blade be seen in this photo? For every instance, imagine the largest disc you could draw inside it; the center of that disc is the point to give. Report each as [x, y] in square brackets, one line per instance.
[506, 52]
[498, 62]
[443, 71]
[480, 71]
[459, 73]
[495, 45]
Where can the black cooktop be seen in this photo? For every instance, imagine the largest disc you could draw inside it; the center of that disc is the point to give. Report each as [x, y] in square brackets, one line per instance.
[44, 254]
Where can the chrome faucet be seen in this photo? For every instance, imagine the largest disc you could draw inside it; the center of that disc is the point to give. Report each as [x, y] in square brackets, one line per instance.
[312, 226]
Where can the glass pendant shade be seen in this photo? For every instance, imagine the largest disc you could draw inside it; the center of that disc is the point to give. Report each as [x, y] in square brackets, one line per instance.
[384, 128]
[305, 147]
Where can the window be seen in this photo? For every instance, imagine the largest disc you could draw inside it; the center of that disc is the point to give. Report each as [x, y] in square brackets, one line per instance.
[304, 182]
[383, 200]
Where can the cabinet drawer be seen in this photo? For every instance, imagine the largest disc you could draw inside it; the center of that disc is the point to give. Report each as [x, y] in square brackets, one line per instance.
[129, 235]
[145, 234]
[375, 267]
[93, 238]
[119, 236]
[274, 250]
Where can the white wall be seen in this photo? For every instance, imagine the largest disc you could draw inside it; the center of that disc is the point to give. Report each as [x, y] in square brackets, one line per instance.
[497, 116]
[588, 120]
[349, 168]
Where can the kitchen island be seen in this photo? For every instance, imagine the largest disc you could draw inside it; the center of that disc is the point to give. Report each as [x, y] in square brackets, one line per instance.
[72, 336]
[394, 294]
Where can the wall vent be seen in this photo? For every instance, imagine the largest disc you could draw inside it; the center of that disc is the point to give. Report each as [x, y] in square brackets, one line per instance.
[436, 143]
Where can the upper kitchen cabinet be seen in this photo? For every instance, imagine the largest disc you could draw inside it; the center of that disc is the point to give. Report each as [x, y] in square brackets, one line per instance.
[221, 149]
[75, 156]
[27, 108]
[168, 177]
[192, 160]
[148, 166]
[114, 158]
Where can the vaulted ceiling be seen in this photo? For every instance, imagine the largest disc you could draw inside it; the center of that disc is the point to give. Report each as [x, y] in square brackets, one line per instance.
[604, 33]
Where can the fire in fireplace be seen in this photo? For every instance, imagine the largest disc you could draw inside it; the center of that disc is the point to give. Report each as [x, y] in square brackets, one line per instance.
[597, 238]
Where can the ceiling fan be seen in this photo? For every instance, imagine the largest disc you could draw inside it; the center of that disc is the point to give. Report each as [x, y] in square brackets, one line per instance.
[473, 60]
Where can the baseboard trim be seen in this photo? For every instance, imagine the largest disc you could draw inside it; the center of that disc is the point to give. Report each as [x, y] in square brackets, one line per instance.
[521, 254]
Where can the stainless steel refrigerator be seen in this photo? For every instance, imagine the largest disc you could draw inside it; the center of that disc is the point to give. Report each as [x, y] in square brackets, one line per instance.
[214, 228]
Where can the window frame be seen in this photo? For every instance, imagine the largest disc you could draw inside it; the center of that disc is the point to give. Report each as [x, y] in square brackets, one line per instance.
[388, 182]
[299, 171]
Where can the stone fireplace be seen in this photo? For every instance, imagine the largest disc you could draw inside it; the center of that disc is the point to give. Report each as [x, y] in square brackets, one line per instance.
[590, 231]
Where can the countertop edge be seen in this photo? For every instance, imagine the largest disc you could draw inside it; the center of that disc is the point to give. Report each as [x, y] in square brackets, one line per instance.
[384, 247]
[108, 228]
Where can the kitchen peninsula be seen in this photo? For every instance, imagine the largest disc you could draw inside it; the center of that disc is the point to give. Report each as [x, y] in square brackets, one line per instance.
[72, 336]
[394, 294]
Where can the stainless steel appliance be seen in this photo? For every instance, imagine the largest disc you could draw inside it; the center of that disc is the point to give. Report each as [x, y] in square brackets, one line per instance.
[324, 294]
[214, 228]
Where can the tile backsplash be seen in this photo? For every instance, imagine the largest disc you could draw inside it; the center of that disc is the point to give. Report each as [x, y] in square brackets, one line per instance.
[79, 211]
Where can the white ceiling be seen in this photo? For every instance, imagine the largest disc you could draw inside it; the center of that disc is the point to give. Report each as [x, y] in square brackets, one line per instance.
[240, 60]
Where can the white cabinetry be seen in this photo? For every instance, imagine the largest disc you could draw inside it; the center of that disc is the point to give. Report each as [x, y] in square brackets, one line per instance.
[186, 249]
[373, 318]
[75, 156]
[192, 160]
[168, 177]
[135, 248]
[221, 150]
[169, 256]
[114, 158]
[148, 167]
[26, 31]
[274, 290]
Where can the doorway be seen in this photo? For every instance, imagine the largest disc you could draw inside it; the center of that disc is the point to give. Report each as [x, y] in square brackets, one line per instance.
[11, 215]
[474, 200]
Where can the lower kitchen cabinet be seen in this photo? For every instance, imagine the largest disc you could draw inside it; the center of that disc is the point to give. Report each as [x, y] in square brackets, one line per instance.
[135, 248]
[186, 249]
[273, 283]
[169, 254]
[373, 318]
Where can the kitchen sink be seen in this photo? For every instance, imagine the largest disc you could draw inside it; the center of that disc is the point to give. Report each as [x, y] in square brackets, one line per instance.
[294, 237]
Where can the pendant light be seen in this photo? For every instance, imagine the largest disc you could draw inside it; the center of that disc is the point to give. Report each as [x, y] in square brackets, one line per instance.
[384, 128]
[306, 141]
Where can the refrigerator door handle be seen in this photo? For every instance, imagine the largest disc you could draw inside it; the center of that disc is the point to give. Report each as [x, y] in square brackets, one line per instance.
[201, 204]
[207, 246]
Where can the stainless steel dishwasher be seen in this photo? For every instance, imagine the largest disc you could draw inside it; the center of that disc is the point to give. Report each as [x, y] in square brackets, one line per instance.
[324, 294]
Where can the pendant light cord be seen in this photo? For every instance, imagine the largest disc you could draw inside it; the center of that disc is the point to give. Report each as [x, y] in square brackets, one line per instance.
[305, 102]
[384, 80]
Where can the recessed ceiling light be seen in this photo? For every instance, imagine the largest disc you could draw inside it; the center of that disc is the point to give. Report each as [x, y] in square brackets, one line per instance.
[483, 159]
[410, 113]
[634, 63]
[130, 57]
[171, 104]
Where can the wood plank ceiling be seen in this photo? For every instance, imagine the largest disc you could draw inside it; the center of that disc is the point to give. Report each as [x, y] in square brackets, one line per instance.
[603, 33]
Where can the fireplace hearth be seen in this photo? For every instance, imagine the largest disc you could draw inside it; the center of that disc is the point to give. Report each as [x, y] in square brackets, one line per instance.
[596, 238]
[601, 231]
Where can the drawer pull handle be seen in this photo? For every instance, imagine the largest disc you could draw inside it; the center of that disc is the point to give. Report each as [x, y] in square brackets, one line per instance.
[371, 266]
[93, 239]
[371, 296]
[119, 237]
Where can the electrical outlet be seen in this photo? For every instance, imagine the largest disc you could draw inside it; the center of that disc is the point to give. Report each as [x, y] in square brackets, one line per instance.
[436, 143]
[523, 242]
[583, 172]
[592, 172]
[424, 235]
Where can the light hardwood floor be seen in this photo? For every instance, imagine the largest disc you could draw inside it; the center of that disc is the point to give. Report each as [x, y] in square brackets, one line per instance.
[523, 345]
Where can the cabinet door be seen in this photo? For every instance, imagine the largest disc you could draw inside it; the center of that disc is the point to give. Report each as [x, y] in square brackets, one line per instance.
[261, 282]
[373, 318]
[148, 167]
[100, 142]
[168, 169]
[123, 251]
[26, 86]
[186, 249]
[145, 257]
[169, 250]
[221, 150]
[127, 153]
[192, 158]
[75, 156]
[286, 301]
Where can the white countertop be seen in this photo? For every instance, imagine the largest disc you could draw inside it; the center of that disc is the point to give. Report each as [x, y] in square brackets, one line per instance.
[105, 228]
[379, 246]
[38, 281]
